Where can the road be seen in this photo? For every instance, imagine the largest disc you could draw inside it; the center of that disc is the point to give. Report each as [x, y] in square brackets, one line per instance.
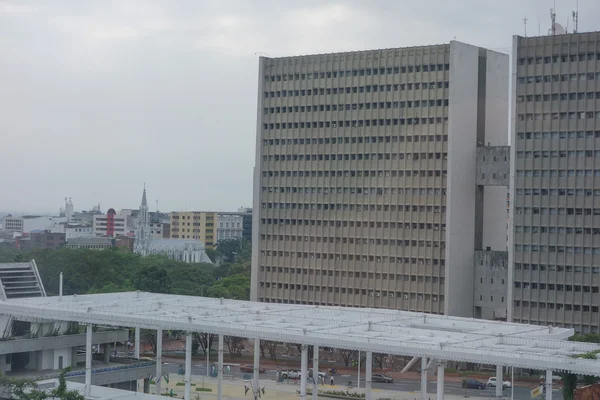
[405, 385]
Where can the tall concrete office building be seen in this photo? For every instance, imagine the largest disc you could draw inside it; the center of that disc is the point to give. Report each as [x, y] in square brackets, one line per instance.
[367, 187]
[554, 240]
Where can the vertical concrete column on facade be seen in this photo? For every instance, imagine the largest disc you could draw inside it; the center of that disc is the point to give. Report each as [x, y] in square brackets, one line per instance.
[548, 386]
[88, 360]
[137, 342]
[440, 380]
[315, 372]
[106, 353]
[303, 371]
[159, 335]
[188, 366]
[424, 378]
[499, 381]
[220, 370]
[146, 385]
[368, 373]
[256, 365]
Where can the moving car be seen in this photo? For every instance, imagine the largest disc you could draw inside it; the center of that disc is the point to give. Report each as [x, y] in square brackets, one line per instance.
[473, 384]
[381, 378]
[322, 375]
[291, 374]
[250, 369]
[492, 383]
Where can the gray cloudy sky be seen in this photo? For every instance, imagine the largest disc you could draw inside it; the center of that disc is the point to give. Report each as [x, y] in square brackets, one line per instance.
[98, 96]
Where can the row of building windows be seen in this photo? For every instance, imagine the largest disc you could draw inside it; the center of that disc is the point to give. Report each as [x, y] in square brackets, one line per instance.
[358, 89]
[379, 207]
[356, 156]
[357, 72]
[357, 291]
[579, 115]
[363, 258]
[584, 76]
[556, 306]
[558, 96]
[557, 249]
[557, 287]
[559, 135]
[557, 173]
[559, 58]
[312, 222]
[359, 173]
[357, 106]
[355, 190]
[491, 298]
[557, 229]
[357, 123]
[355, 274]
[356, 139]
[558, 154]
[559, 192]
[351, 240]
[556, 268]
[557, 210]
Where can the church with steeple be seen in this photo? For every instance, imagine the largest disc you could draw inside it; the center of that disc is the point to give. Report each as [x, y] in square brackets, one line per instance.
[185, 250]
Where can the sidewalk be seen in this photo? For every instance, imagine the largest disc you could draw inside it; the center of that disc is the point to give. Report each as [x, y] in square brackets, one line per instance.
[234, 390]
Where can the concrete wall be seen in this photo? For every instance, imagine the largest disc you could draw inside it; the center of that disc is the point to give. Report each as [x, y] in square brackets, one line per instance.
[490, 284]
[493, 168]
[462, 151]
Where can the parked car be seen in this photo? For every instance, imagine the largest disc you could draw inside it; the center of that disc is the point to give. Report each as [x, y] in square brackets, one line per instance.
[473, 384]
[291, 374]
[381, 378]
[250, 369]
[492, 383]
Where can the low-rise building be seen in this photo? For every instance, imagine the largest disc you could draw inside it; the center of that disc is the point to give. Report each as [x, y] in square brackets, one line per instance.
[12, 224]
[92, 243]
[42, 240]
[110, 224]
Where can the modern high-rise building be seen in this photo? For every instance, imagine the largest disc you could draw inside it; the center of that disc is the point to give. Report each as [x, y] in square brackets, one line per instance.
[378, 176]
[554, 237]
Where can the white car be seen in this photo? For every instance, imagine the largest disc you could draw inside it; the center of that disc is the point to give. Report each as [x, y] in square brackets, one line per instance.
[291, 374]
[492, 383]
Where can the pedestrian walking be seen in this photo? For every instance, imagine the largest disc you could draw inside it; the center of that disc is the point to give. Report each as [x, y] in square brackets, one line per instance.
[331, 381]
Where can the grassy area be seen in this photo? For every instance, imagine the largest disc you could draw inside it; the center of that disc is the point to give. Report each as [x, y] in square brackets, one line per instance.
[183, 384]
[203, 390]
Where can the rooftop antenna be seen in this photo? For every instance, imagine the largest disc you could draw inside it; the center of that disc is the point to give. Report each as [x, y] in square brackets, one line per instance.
[576, 18]
[553, 19]
[525, 24]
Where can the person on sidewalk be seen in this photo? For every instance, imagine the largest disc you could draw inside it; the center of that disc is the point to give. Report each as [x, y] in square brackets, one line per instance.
[331, 381]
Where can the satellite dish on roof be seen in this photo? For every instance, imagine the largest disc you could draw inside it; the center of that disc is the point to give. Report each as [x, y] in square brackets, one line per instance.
[557, 29]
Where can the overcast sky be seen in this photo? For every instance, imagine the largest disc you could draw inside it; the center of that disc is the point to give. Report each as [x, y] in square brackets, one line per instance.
[99, 96]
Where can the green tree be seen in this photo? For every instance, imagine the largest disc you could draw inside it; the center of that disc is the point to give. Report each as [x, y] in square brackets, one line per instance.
[234, 250]
[26, 389]
[232, 287]
[153, 278]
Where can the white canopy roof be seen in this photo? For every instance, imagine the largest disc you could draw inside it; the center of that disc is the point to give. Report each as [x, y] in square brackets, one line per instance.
[378, 330]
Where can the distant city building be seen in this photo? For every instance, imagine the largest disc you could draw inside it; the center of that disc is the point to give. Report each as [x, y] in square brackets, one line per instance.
[111, 224]
[42, 240]
[12, 224]
[33, 223]
[68, 210]
[229, 226]
[181, 249]
[196, 225]
[78, 230]
[92, 243]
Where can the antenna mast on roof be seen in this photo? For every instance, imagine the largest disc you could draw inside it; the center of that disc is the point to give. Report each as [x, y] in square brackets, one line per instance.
[553, 19]
[525, 24]
[576, 17]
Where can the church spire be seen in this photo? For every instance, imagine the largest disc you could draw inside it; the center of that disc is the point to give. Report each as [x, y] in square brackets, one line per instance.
[144, 200]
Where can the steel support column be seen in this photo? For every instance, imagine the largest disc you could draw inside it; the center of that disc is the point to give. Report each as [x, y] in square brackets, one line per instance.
[315, 372]
[88, 360]
[549, 384]
[188, 366]
[440, 381]
[220, 370]
[368, 373]
[424, 378]
[499, 381]
[137, 342]
[159, 335]
[303, 372]
[256, 369]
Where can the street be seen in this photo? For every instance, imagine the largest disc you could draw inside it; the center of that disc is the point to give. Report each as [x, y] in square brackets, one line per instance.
[405, 385]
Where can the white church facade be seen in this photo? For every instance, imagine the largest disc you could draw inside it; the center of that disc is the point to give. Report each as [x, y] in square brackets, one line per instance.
[185, 250]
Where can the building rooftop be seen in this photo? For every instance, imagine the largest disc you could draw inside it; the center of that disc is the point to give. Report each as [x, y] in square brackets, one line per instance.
[378, 330]
[91, 241]
[18, 280]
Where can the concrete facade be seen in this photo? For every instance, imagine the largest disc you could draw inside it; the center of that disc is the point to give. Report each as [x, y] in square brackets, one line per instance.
[554, 239]
[12, 224]
[490, 283]
[365, 166]
[493, 166]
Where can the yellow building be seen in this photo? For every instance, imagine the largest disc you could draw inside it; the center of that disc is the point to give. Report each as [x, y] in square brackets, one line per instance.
[198, 225]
